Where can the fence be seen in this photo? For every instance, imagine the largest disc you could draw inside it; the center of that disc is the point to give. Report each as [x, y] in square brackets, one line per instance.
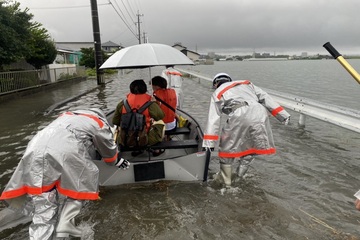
[340, 116]
[11, 81]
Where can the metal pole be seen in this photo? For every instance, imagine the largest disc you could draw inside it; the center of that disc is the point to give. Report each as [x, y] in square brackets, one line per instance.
[138, 15]
[97, 42]
[342, 61]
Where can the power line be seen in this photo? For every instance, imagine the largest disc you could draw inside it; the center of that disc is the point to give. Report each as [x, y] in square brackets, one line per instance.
[119, 8]
[127, 11]
[67, 7]
[132, 11]
[123, 20]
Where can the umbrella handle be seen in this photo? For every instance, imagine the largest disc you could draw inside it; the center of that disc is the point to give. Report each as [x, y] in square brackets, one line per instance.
[342, 61]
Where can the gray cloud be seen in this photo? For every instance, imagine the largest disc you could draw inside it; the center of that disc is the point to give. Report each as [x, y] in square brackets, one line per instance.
[227, 26]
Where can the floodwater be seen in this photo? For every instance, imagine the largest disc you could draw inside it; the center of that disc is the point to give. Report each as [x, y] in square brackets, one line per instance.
[304, 191]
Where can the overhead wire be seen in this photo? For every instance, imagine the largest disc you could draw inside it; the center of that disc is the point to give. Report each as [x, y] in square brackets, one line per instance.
[124, 17]
[130, 14]
[121, 14]
[132, 11]
[127, 10]
[123, 20]
[80, 6]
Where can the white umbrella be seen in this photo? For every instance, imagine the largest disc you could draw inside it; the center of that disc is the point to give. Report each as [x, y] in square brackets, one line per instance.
[146, 55]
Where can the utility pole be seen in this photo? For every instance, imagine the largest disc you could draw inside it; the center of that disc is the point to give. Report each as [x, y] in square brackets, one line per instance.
[144, 36]
[97, 42]
[138, 23]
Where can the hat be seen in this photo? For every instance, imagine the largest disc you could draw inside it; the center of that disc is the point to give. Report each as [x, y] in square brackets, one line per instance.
[221, 78]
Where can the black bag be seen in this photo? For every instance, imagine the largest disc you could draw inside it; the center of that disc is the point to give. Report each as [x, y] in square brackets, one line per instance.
[133, 126]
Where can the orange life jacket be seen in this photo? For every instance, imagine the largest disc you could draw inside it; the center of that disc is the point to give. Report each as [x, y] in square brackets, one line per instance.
[136, 101]
[169, 96]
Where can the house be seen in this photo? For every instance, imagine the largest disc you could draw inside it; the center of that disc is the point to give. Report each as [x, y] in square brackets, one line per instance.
[194, 56]
[67, 57]
[69, 52]
[110, 47]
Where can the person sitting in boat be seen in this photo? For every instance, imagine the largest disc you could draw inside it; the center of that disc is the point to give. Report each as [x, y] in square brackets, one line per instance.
[174, 80]
[137, 97]
[247, 131]
[166, 98]
[58, 163]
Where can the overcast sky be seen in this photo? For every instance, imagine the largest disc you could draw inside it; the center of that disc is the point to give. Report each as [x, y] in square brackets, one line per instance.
[220, 26]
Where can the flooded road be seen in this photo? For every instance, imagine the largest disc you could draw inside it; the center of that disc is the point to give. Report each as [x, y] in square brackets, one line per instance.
[305, 191]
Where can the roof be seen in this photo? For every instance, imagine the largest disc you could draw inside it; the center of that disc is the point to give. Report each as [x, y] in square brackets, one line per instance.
[73, 46]
[110, 44]
[67, 51]
[184, 51]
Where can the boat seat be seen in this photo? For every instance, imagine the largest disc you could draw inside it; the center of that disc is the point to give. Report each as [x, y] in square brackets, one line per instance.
[189, 143]
[180, 130]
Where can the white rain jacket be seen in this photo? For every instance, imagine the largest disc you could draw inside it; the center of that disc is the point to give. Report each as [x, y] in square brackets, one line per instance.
[59, 156]
[247, 129]
[175, 80]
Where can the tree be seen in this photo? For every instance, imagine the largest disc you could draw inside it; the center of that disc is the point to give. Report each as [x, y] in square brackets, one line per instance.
[14, 28]
[88, 57]
[42, 50]
[21, 38]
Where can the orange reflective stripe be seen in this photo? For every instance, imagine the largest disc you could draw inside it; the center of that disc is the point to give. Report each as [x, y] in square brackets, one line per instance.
[231, 86]
[112, 159]
[211, 137]
[276, 111]
[39, 190]
[247, 152]
[173, 73]
[66, 113]
[26, 190]
[96, 119]
[78, 195]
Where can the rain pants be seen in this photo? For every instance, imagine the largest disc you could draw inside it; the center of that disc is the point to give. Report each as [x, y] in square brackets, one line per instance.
[247, 129]
[59, 156]
[58, 160]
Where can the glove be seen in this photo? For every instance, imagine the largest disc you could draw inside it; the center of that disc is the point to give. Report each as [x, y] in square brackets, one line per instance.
[207, 148]
[286, 121]
[122, 163]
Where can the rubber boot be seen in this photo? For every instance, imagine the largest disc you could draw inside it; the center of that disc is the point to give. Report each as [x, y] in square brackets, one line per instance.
[244, 166]
[66, 225]
[225, 171]
[241, 170]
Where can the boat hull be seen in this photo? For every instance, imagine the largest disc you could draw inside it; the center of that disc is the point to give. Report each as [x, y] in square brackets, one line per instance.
[184, 160]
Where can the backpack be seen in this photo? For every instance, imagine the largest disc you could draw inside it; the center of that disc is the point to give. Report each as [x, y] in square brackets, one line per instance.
[133, 126]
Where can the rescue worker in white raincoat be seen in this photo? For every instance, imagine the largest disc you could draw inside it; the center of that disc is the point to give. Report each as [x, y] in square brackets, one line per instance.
[58, 160]
[247, 131]
[175, 80]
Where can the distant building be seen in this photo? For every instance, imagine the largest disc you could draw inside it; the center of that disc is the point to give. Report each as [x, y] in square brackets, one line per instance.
[69, 52]
[194, 56]
[74, 46]
[211, 55]
[256, 55]
[67, 57]
[304, 54]
[110, 47]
